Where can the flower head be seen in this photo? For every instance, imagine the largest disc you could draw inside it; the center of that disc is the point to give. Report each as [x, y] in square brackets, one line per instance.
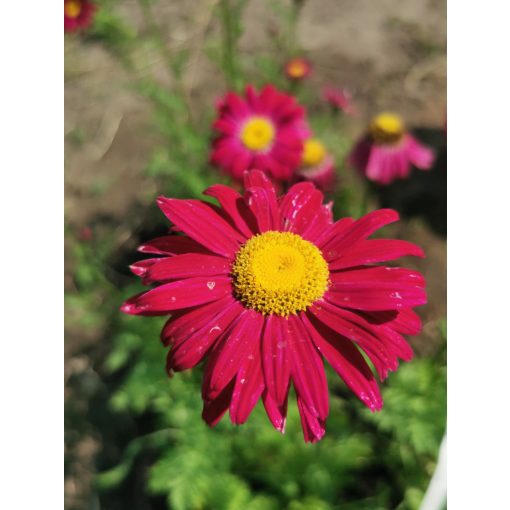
[387, 151]
[298, 68]
[78, 14]
[339, 99]
[317, 165]
[265, 288]
[262, 130]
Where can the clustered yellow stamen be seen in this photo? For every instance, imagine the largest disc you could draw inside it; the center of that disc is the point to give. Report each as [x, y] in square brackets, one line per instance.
[279, 273]
[296, 68]
[313, 152]
[387, 128]
[257, 134]
[72, 8]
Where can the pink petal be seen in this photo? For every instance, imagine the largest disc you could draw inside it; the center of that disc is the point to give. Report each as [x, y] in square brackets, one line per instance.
[276, 414]
[214, 409]
[377, 288]
[375, 250]
[300, 206]
[262, 203]
[347, 361]
[172, 245]
[237, 344]
[275, 358]
[200, 222]
[233, 204]
[180, 294]
[188, 351]
[404, 321]
[313, 427]
[248, 388]
[307, 369]
[352, 232]
[258, 179]
[420, 156]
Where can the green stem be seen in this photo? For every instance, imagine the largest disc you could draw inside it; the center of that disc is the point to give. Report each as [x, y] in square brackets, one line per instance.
[229, 61]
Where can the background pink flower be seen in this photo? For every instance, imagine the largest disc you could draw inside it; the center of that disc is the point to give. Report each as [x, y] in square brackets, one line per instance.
[78, 14]
[263, 130]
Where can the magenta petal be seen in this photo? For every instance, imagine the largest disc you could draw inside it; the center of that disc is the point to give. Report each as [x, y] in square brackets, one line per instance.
[277, 414]
[172, 245]
[186, 266]
[347, 361]
[141, 267]
[248, 388]
[357, 231]
[188, 351]
[275, 357]
[200, 222]
[233, 204]
[180, 294]
[264, 207]
[404, 321]
[307, 369]
[214, 409]
[374, 250]
[300, 206]
[313, 427]
[334, 232]
[236, 345]
[421, 157]
[182, 324]
[258, 179]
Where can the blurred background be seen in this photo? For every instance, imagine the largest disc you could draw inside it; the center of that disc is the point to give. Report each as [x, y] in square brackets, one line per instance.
[141, 83]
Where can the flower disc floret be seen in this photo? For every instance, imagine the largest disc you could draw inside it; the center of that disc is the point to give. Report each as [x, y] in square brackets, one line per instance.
[279, 273]
[257, 134]
[313, 153]
[387, 128]
[72, 8]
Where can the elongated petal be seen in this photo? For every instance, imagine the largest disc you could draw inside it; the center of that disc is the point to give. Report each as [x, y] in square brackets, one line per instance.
[214, 409]
[307, 369]
[264, 207]
[277, 414]
[200, 222]
[233, 204]
[300, 206]
[374, 250]
[172, 245]
[377, 288]
[180, 294]
[248, 388]
[313, 427]
[334, 232]
[404, 321]
[258, 179]
[346, 360]
[275, 357]
[184, 323]
[356, 231]
[189, 351]
[186, 266]
[236, 343]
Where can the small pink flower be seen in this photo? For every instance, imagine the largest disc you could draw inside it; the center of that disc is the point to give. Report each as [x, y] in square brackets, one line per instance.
[78, 14]
[339, 99]
[263, 130]
[317, 165]
[298, 68]
[387, 151]
[265, 288]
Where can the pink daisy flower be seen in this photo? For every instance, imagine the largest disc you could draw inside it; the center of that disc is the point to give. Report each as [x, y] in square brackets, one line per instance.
[266, 288]
[263, 130]
[298, 68]
[387, 152]
[339, 99]
[78, 14]
[317, 165]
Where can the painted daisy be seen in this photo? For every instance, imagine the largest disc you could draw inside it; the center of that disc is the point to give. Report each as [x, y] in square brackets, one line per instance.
[266, 288]
[339, 99]
[298, 68]
[317, 165]
[78, 14]
[263, 130]
[387, 152]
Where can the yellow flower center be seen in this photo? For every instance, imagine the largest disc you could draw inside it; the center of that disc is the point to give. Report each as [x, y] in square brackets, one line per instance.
[72, 8]
[279, 273]
[296, 68]
[313, 153]
[257, 134]
[387, 128]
